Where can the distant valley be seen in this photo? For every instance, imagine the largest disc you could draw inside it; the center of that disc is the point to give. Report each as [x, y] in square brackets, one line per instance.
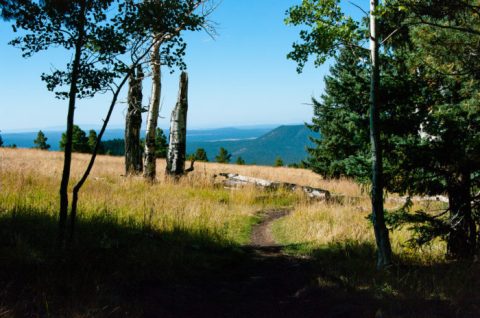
[255, 145]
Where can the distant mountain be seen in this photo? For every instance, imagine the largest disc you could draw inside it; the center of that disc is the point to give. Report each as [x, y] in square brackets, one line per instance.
[287, 142]
[255, 145]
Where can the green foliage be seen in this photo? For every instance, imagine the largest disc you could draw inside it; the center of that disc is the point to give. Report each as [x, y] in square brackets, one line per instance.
[240, 161]
[1, 141]
[114, 147]
[41, 141]
[201, 155]
[278, 162]
[79, 141]
[92, 139]
[300, 165]
[446, 32]
[67, 24]
[341, 117]
[430, 132]
[161, 144]
[223, 156]
[327, 29]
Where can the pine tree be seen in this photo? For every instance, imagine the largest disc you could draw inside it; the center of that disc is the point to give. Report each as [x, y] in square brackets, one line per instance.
[278, 162]
[41, 141]
[240, 161]
[79, 141]
[92, 139]
[201, 155]
[161, 144]
[223, 156]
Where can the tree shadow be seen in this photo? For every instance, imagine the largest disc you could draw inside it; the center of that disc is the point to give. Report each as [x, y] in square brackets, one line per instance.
[125, 269]
[345, 272]
[104, 272]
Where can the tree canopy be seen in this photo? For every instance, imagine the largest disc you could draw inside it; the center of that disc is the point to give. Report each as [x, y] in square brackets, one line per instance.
[223, 156]
[429, 131]
[41, 141]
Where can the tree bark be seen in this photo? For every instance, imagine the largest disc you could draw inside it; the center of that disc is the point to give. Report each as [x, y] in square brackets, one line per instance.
[462, 239]
[178, 131]
[67, 161]
[133, 123]
[83, 179]
[149, 165]
[384, 251]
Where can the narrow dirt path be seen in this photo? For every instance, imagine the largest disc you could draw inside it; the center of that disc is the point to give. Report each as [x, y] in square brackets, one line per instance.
[262, 237]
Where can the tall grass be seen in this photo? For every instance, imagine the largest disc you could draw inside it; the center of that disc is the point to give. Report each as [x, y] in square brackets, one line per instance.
[29, 179]
[130, 231]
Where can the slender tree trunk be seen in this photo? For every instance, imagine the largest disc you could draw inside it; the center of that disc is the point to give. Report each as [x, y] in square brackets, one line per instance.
[67, 161]
[133, 123]
[384, 251]
[149, 165]
[83, 179]
[462, 239]
[178, 131]
[80, 183]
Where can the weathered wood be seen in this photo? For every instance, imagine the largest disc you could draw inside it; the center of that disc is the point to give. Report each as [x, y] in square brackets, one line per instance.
[133, 123]
[178, 131]
[233, 180]
[149, 164]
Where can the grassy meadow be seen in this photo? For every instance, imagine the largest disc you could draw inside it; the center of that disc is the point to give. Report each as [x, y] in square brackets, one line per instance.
[132, 234]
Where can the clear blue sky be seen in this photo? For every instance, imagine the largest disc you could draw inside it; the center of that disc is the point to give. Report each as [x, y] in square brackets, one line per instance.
[240, 78]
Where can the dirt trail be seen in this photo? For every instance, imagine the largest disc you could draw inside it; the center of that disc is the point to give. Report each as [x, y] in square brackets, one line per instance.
[262, 237]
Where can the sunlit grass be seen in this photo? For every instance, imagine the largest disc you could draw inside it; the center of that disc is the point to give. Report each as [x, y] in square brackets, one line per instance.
[323, 223]
[30, 179]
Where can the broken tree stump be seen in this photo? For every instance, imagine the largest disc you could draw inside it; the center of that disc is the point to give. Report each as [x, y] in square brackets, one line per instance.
[178, 132]
[233, 180]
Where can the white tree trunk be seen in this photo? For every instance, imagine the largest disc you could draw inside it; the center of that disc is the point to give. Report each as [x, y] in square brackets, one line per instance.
[149, 164]
[178, 131]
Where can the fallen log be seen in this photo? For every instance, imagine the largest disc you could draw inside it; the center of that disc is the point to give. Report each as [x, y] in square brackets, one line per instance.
[233, 180]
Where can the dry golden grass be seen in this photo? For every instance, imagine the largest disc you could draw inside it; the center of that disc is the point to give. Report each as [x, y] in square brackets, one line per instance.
[321, 224]
[31, 177]
[50, 164]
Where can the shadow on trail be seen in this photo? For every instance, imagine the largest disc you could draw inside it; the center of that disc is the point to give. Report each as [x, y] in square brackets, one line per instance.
[124, 269]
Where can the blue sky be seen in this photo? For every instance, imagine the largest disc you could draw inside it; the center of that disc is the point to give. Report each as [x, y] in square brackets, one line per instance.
[241, 78]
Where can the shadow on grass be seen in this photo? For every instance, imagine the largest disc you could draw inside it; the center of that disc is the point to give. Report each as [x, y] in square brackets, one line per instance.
[405, 290]
[124, 269]
[104, 272]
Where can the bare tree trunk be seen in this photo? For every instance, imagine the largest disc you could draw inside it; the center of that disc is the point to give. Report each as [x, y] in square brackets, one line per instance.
[462, 239]
[83, 179]
[67, 161]
[133, 123]
[178, 131]
[384, 251]
[149, 164]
